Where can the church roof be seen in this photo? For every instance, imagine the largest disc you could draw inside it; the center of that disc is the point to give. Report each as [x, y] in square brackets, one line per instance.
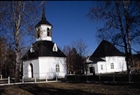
[105, 48]
[43, 20]
[43, 48]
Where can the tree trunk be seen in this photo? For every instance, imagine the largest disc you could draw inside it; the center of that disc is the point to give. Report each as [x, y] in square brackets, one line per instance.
[128, 34]
[16, 16]
[17, 74]
[123, 36]
[17, 21]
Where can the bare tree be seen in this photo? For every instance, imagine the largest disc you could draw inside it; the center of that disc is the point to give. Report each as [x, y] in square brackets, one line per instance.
[66, 50]
[80, 47]
[7, 56]
[120, 23]
[82, 50]
[76, 53]
[74, 62]
[18, 19]
[2, 53]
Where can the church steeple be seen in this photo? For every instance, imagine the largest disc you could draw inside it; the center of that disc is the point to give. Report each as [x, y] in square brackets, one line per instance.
[43, 28]
[43, 14]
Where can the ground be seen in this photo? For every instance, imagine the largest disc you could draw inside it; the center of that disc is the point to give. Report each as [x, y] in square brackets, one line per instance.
[59, 88]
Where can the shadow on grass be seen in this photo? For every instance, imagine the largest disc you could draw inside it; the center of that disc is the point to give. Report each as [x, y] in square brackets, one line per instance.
[36, 90]
[1, 90]
[130, 85]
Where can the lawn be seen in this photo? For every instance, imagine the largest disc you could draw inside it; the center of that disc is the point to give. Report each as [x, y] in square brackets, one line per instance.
[58, 88]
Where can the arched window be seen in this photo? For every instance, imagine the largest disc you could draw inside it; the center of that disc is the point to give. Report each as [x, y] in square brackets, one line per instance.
[57, 68]
[30, 70]
[112, 65]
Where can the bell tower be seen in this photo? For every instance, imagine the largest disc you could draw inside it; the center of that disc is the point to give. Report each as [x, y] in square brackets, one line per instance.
[43, 29]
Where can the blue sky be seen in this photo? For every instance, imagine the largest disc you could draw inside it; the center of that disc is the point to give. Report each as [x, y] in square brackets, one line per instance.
[70, 23]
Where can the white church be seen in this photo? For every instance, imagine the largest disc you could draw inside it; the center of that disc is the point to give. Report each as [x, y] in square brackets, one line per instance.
[106, 59]
[44, 59]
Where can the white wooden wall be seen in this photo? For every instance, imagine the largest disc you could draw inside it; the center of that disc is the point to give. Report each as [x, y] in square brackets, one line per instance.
[45, 67]
[118, 61]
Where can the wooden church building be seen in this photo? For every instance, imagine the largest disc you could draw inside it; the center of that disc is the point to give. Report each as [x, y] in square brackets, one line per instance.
[44, 59]
[106, 59]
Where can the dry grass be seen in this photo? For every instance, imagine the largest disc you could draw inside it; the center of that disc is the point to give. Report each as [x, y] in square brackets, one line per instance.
[70, 89]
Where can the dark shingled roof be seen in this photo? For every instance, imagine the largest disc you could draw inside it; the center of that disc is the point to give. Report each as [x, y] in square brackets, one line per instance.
[43, 21]
[105, 48]
[43, 48]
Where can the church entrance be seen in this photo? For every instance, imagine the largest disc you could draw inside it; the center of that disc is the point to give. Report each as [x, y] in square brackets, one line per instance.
[30, 71]
[92, 70]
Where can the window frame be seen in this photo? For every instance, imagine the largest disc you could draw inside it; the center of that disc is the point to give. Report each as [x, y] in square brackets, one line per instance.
[57, 68]
[48, 32]
[101, 67]
[112, 65]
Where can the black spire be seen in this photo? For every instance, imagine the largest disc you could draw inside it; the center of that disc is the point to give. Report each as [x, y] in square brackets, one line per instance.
[43, 13]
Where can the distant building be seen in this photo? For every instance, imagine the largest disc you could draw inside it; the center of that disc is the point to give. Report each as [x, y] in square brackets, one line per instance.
[106, 59]
[44, 59]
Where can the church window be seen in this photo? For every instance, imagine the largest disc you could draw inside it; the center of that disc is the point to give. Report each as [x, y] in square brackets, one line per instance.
[57, 68]
[37, 35]
[101, 67]
[112, 66]
[31, 49]
[48, 32]
[55, 48]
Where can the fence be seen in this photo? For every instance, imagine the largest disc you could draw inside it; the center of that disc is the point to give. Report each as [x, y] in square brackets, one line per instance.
[35, 77]
[103, 78]
[78, 78]
[10, 81]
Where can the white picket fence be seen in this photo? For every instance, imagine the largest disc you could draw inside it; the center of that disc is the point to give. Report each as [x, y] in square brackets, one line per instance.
[33, 80]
